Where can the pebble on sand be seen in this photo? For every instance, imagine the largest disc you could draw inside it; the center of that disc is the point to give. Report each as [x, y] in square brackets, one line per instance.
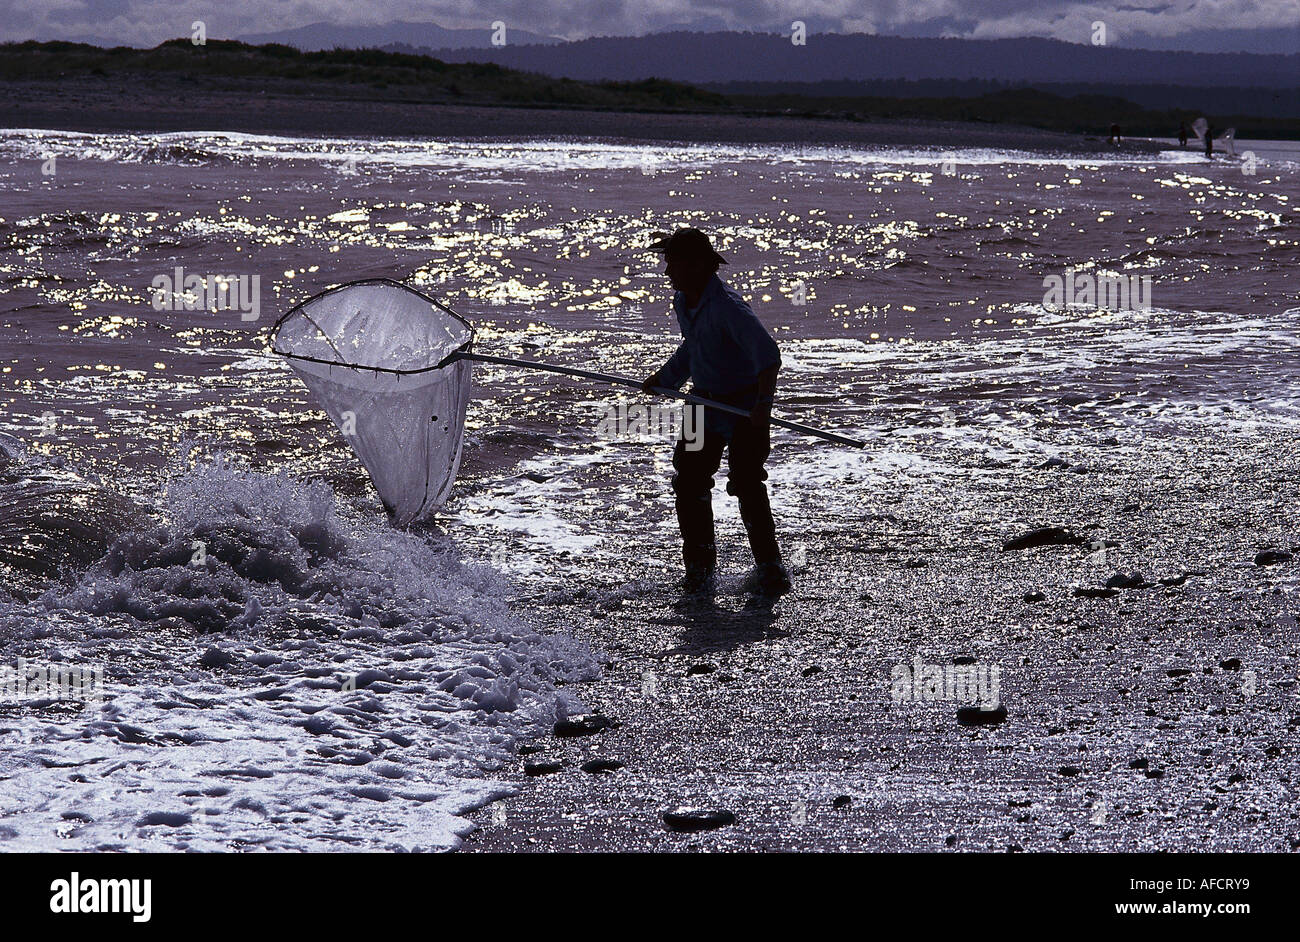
[977, 716]
[1270, 557]
[586, 724]
[599, 766]
[1043, 536]
[689, 820]
[1087, 592]
[543, 767]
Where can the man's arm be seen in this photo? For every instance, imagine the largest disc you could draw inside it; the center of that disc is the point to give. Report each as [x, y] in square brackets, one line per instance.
[673, 373]
[761, 414]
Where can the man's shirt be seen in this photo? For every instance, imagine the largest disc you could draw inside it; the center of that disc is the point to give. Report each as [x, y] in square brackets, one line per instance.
[724, 344]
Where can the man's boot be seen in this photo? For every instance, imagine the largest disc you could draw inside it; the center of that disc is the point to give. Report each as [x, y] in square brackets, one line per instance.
[699, 551]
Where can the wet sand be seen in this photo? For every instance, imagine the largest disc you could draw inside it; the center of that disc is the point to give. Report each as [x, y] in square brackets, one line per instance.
[1154, 718]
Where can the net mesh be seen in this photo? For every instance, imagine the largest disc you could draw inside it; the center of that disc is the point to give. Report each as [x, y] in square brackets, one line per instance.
[373, 354]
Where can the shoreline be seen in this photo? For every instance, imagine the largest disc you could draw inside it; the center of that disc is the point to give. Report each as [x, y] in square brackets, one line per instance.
[304, 110]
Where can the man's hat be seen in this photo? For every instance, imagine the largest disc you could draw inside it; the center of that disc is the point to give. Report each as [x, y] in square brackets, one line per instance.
[686, 242]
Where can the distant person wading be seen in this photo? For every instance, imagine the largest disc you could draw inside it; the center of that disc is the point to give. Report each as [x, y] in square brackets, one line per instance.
[731, 358]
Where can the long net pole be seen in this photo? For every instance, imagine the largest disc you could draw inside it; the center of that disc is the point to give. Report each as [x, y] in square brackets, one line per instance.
[661, 390]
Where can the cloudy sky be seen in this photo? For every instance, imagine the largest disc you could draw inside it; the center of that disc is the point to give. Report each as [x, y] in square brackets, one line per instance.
[1205, 25]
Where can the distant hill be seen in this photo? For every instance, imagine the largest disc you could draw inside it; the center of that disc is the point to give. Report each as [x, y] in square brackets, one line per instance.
[702, 58]
[255, 72]
[318, 36]
[357, 73]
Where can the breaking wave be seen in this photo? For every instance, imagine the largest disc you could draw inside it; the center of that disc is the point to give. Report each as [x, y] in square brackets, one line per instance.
[268, 659]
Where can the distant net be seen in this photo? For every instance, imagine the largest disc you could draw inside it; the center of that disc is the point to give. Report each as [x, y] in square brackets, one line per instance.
[375, 354]
[1201, 127]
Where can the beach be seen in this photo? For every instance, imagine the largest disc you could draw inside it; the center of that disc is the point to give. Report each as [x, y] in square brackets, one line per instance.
[319, 680]
[163, 103]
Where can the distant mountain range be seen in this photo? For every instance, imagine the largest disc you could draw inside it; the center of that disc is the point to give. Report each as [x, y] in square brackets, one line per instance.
[317, 36]
[707, 58]
[1281, 41]
[724, 57]
[842, 65]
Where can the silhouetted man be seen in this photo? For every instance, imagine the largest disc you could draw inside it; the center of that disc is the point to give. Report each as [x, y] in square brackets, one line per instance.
[730, 357]
[1182, 134]
[1209, 141]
